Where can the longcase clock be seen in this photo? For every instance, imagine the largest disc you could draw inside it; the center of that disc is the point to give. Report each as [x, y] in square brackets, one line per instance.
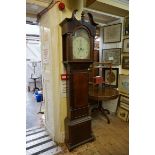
[78, 45]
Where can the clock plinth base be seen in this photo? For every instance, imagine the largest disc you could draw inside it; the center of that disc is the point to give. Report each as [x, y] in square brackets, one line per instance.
[78, 132]
[71, 147]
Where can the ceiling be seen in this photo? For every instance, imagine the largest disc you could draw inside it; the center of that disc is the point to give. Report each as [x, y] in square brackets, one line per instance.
[114, 7]
[33, 7]
[101, 18]
[103, 13]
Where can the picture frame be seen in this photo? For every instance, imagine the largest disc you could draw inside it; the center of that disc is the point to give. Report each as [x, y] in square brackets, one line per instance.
[125, 62]
[125, 48]
[126, 26]
[123, 114]
[112, 55]
[124, 98]
[123, 83]
[111, 79]
[112, 33]
[124, 101]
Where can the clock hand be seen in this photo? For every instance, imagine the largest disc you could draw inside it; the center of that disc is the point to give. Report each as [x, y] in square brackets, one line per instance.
[79, 50]
[82, 49]
[80, 44]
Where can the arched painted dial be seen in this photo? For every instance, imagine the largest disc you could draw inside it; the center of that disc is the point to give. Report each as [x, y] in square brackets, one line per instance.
[81, 45]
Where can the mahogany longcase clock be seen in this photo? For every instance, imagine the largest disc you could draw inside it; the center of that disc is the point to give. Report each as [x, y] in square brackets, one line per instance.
[78, 45]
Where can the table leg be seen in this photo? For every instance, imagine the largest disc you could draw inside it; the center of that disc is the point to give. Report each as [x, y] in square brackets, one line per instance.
[101, 109]
[103, 112]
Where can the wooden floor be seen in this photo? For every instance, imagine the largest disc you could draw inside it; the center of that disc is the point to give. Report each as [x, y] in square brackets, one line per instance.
[111, 139]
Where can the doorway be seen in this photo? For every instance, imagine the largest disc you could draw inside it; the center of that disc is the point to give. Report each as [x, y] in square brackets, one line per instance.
[34, 97]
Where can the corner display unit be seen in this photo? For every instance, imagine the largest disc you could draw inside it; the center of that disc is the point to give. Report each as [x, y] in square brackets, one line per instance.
[78, 45]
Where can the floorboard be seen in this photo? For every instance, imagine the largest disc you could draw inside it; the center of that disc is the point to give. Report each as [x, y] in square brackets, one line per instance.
[111, 139]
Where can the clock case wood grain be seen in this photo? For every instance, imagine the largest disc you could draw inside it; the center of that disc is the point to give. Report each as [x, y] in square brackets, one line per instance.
[78, 121]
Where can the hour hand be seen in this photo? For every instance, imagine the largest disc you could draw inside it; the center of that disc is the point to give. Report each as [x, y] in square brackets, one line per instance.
[79, 50]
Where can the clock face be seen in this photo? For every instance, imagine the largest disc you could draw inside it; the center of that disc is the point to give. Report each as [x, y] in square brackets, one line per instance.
[81, 45]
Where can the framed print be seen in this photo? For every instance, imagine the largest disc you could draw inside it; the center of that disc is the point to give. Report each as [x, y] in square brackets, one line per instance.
[125, 45]
[112, 55]
[124, 101]
[111, 78]
[124, 98]
[126, 26]
[123, 83]
[112, 33]
[125, 62]
[122, 113]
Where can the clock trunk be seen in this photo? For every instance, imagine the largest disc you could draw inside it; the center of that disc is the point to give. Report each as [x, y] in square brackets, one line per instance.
[78, 45]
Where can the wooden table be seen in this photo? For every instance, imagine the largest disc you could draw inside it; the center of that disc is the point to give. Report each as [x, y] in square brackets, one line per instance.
[100, 94]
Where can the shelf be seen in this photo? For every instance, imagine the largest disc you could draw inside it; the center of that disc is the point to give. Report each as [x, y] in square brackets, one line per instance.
[96, 77]
[92, 83]
[102, 63]
[99, 67]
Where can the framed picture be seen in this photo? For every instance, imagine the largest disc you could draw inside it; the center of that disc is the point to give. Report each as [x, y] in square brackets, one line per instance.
[112, 55]
[124, 98]
[125, 48]
[124, 101]
[126, 26]
[125, 62]
[123, 114]
[111, 78]
[112, 33]
[123, 83]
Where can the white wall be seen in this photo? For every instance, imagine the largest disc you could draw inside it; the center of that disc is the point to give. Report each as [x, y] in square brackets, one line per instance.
[112, 104]
[51, 42]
